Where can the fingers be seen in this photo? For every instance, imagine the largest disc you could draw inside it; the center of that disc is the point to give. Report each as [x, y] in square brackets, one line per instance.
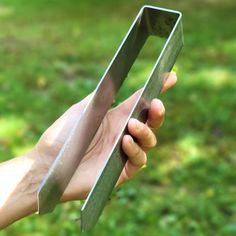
[156, 114]
[170, 80]
[137, 158]
[143, 134]
[135, 153]
[145, 139]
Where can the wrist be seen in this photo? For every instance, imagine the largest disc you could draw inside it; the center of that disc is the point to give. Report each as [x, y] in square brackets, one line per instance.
[43, 159]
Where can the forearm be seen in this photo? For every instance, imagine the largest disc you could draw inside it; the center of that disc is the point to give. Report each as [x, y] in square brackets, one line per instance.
[17, 189]
[19, 181]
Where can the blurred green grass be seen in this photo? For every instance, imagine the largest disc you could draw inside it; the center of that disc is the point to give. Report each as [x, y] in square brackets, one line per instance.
[53, 53]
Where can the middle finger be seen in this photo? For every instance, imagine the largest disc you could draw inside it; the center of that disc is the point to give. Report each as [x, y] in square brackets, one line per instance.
[143, 134]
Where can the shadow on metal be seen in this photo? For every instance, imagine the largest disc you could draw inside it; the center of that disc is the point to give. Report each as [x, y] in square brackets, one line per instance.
[149, 21]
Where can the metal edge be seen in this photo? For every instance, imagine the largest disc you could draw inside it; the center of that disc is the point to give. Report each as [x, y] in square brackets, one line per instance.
[147, 81]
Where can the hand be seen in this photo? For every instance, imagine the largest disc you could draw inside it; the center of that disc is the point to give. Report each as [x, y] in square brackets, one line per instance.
[18, 196]
[82, 181]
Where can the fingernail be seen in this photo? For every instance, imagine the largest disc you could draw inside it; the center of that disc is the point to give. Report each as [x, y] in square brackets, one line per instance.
[144, 166]
[173, 73]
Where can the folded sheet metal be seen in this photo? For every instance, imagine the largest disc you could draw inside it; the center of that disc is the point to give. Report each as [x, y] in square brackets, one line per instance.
[150, 20]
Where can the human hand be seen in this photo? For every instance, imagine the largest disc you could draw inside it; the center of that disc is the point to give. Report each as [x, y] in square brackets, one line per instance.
[83, 179]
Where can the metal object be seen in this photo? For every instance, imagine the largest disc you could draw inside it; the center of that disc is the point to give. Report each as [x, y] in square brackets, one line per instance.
[149, 21]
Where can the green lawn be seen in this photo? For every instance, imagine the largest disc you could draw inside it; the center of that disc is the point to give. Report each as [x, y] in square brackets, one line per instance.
[53, 53]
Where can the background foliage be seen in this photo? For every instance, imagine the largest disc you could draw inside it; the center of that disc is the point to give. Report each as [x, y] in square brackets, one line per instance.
[54, 52]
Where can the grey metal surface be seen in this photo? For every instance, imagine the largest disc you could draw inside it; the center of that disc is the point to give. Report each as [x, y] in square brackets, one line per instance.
[150, 21]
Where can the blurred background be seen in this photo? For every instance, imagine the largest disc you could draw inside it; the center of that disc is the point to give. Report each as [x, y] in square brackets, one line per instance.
[53, 53]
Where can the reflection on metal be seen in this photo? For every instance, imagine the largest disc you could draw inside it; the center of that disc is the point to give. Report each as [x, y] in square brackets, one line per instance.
[149, 21]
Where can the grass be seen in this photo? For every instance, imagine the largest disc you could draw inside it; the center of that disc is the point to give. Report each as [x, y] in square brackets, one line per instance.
[53, 54]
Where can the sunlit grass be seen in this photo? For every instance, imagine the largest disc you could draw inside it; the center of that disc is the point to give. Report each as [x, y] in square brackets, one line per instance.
[6, 11]
[54, 53]
[12, 127]
[217, 77]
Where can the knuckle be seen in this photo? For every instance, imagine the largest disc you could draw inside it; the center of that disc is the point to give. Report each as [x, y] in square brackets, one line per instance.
[136, 151]
[139, 128]
[148, 135]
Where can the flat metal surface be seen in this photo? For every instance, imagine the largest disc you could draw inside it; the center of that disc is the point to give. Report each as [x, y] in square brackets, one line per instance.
[150, 21]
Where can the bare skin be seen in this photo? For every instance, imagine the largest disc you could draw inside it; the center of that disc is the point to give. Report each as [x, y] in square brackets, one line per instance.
[18, 193]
